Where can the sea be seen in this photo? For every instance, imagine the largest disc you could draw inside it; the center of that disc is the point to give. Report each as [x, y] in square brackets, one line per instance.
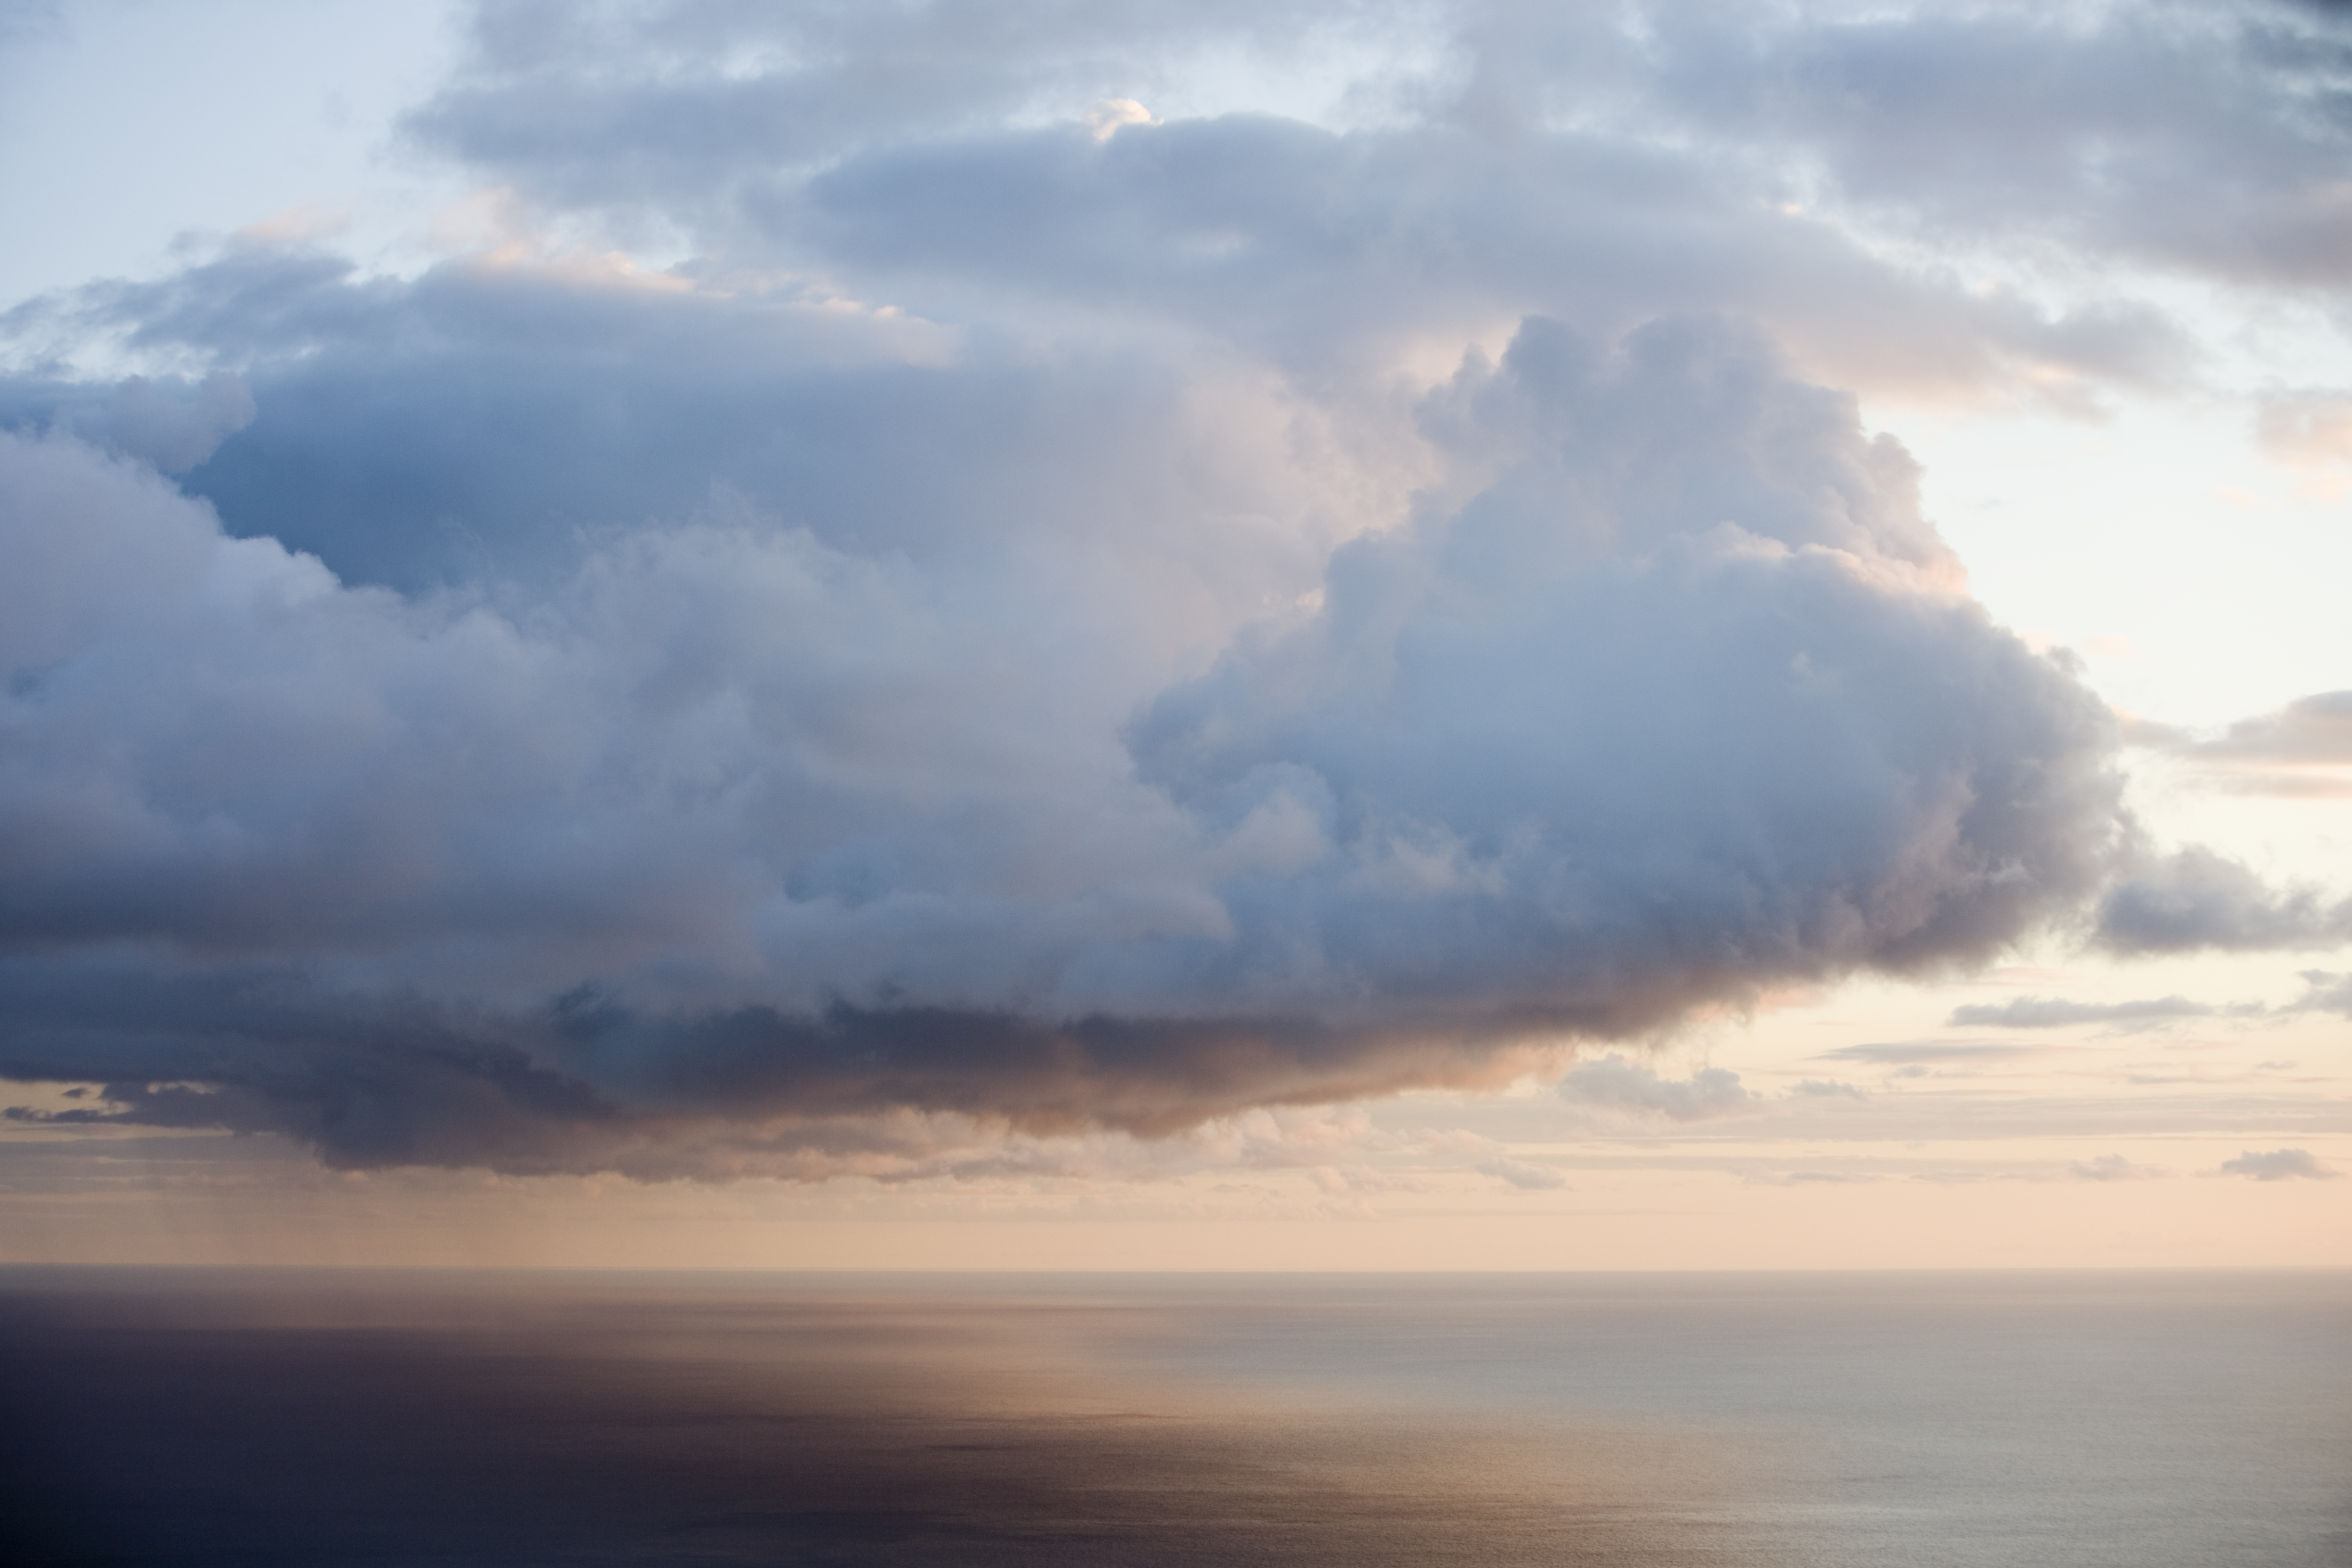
[1819, 1420]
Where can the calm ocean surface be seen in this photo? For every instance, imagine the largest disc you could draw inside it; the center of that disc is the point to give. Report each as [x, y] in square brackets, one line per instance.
[2139, 1420]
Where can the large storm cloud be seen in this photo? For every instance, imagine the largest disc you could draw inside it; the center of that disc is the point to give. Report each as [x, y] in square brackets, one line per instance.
[567, 717]
[1679, 698]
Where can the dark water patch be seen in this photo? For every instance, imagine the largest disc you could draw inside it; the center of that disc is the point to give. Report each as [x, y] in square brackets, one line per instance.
[293, 1417]
[313, 1422]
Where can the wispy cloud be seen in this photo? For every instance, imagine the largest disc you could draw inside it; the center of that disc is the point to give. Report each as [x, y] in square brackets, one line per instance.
[2055, 1013]
[1924, 1052]
[2303, 751]
[2112, 1168]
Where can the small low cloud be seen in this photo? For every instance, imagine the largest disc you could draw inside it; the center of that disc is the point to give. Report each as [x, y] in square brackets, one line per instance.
[2315, 729]
[2329, 992]
[1621, 1085]
[2112, 1168]
[2302, 750]
[2196, 899]
[2280, 1165]
[1826, 1089]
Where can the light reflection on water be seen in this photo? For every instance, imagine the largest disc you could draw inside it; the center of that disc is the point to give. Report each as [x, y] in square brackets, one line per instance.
[249, 1418]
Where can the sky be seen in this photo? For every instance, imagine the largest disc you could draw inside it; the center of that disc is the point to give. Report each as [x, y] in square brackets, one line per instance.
[1352, 636]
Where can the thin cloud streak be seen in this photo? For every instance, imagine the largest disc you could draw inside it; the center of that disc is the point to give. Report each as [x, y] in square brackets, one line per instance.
[2057, 1013]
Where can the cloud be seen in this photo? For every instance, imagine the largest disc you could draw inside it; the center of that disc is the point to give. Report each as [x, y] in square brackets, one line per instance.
[1617, 1084]
[2084, 130]
[2300, 752]
[170, 422]
[2195, 899]
[734, 821]
[1808, 1178]
[1692, 694]
[2317, 729]
[2327, 993]
[2280, 1165]
[1523, 1175]
[1105, 119]
[2310, 427]
[2054, 1013]
[1917, 1054]
[1471, 160]
[1826, 1089]
[1488, 1157]
[2112, 1168]
[1033, 634]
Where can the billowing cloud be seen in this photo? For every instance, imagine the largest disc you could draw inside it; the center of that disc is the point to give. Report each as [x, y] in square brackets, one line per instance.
[2280, 1165]
[1712, 751]
[733, 821]
[1032, 632]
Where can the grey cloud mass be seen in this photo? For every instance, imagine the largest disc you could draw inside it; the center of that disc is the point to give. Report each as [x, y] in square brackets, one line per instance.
[2087, 126]
[171, 422]
[732, 822]
[1602, 165]
[1048, 630]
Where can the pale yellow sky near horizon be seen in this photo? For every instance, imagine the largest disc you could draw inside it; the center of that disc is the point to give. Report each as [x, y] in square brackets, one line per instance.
[2089, 1146]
